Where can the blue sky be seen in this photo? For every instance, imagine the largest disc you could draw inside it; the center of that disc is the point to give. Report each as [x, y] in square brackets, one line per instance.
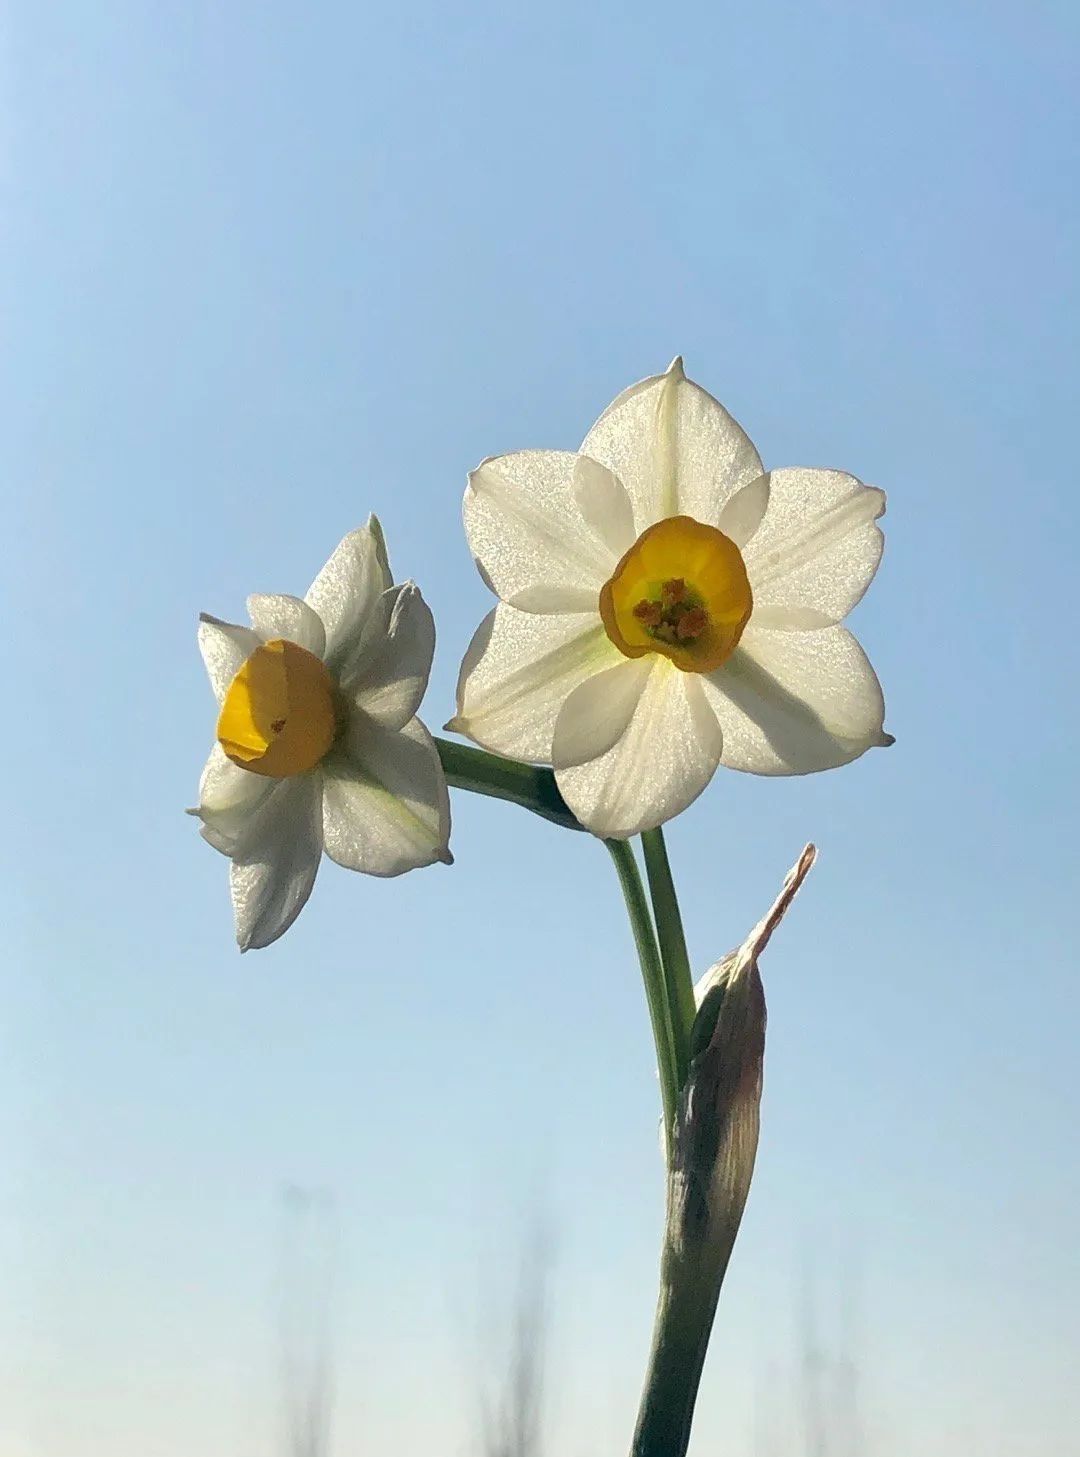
[270, 267]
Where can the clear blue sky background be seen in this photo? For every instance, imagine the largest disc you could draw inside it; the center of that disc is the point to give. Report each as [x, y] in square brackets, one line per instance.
[268, 267]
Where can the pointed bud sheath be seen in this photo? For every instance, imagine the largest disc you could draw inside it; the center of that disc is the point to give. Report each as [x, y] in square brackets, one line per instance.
[716, 1134]
[715, 1144]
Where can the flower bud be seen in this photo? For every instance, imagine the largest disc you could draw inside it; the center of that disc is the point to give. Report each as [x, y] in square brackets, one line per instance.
[716, 1133]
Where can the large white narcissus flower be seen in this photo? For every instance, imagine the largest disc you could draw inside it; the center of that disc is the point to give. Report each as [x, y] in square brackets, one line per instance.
[318, 747]
[667, 606]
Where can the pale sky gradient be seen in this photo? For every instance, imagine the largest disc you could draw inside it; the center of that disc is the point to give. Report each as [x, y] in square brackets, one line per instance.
[268, 267]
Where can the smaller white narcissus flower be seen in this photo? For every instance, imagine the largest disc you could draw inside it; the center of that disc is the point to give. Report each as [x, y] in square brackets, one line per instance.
[318, 746]
[666, 606]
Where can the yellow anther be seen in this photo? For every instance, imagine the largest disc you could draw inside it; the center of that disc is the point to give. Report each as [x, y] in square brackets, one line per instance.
[650, 613]
[692, 624]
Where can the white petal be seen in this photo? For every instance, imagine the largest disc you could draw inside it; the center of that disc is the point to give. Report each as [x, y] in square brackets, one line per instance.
[393, 676]
[225, 648]
[518, 672]
[817, 549]
[367, 643]
[552, 598]
[795, 702]
[664, 759]
[745, 511]
[597, 713]
[229, 801]
[675, 449]
[604, 504]
[386, 808]
[280, 616]
[528, 536]
[272, 878]
[790, 619]
[345, 592]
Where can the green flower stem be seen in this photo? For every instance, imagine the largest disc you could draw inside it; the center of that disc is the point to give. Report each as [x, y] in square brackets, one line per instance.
[669, 932]
[652, 972]
[689, 1289]
[523, 784]
[535, 789]
[690, 1276]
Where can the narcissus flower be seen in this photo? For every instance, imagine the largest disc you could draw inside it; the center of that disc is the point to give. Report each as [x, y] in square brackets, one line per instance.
[667, 606]
[318, 747]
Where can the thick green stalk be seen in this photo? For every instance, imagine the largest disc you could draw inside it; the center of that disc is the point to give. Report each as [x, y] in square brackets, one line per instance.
[524, 784]
[689, 1290]
[678, 978]
[652, 972]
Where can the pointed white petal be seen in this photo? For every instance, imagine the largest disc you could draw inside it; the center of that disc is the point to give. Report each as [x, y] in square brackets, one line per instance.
[276, 615]
[386, 808]
[598, 712]
[272, 877]
[345, 592]
[744, 512]
[604, 504]
[817, 548]
[369, 641]
[665, 757]
[795, 702]
[553, 599]
[229, 801]
[528, 535]
[393, 675]
[790, 619]
[517, 673]
[675, 449]
[224, 647]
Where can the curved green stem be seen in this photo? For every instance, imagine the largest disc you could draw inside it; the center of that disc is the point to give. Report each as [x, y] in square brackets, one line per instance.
[535, 789]
[689, 1282]
[652, 972]
[524, 784]
[669, 932]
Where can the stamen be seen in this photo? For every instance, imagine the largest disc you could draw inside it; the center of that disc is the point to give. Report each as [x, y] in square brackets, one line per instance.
[649, 613]
[678, 617]
[692, 624]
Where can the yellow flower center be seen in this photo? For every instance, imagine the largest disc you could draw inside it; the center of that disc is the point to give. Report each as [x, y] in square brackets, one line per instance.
[278, 715]
[681, 590]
